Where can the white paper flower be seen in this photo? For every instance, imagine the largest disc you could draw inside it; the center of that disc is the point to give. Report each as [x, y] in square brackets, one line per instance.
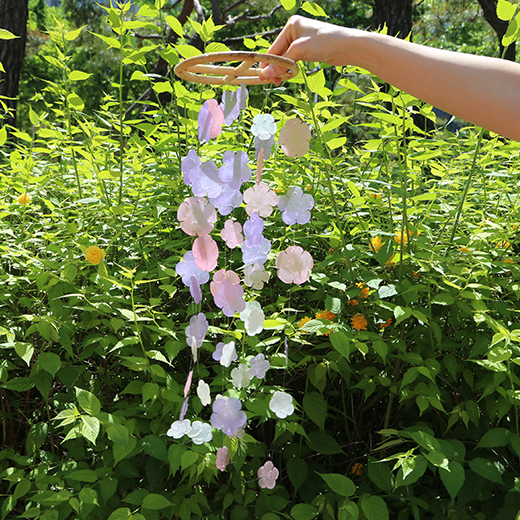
[179, 429]
[253, 317]
[203, 393]
[263, 126]
[240, 376]
[258, 366]
[229, 354]
[255, 276]
[200, 432]
[281, 404]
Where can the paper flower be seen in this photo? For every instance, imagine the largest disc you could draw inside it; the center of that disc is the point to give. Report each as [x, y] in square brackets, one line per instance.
[179, 429]
[255, 276]
[94, 255]
[228, 415]
[263, 126]
[190, 163]
[210, 120]
[281, 404]
[184, 409]
[230, 298]
[205, 253]
[233, 102]
[296, 206]
[239, 434]
[253, 317]
[197, 216]
[256, 254]
[188, 384]
[197, 329]
[195, 291]
[294, 265]
[203, 393]
[241, 376]
[24, 199]
[220, 276]
[225, 353]
[234, 170]
[227, 200]
[202, 177]
[187, 268]
[253, 229]
[222, 458]
[266, 144]
[295, 137]
[200, 432]
[232, 233]
[258, 366]
[261, 199]
[267, 475]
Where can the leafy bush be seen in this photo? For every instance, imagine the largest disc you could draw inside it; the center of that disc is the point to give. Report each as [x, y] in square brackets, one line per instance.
[398, 355]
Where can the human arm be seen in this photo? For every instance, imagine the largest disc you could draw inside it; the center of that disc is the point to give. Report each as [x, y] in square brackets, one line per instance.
[479, 89]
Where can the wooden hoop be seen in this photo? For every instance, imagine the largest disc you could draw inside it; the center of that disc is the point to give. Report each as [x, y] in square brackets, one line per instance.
[199, 70]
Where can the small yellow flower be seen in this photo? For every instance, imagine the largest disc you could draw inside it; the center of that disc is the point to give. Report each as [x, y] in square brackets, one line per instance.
[515, 226]
[402, 237]
[375, 195]
[353, 302]
[325, 315]
[503, 243]
[357, 469]
[94, 254]
[387, 324]
[24, 199]
[508, 261]
[390, 262]
[303, 321]
[376, 244]
[464, 249]
[359, 322]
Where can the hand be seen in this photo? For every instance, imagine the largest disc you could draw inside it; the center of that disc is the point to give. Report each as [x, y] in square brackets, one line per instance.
[308, 40]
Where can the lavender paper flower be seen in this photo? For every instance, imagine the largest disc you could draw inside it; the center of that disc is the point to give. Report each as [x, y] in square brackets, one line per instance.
[233, 102]
[197, 329]
[266, 144]
[258, 366]
[210, 120]
[187, 268]
[294, 265]
[225, 353]
[230, 298]
[228, 415]
[253, 229]
[256, 254]
[227, 200]
[202, 177]
[184, 409]
[195, 290]
[234, 170]
[190, 163]
[255, 276]
[263, 126]
[197, 216]
[296, 206]
[260, 199]
[267, 475]
[232, 234]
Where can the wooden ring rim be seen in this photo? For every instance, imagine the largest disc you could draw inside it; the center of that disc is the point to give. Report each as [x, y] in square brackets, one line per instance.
[229, 75]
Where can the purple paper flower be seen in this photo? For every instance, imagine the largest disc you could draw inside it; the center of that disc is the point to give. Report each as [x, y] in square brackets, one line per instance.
[195, 291]
[210, 120]
[295, 137]
[294, 265]
[205, 253]
[187, 268]
[230, 298]
[197, 216]
[233, 102]
[258, 366]
[202, 177]
[261, 199]
[296, 206]
[197, 329]
[256, 254]
[228, 415]
[232, 234]
[222, 458]
[253, 229]
[184, 409]
[220, 276]
[225, 353]
[263, 126]
[190, 163]
[234, 170]
[267, 475]
[227, 200]
[266, 144]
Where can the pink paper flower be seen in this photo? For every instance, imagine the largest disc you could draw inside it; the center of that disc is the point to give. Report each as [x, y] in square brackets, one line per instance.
[222, 458]
[228, 415]
[188, 384]
[294, 265]
[296, 206]
[261, 199]
[255, 276]
[210, 120]
[267, 475]
[220, 276]
[232, 234]
[205, 253]
[197, 216]
[234, 170]
[295, 137]
[230, 298]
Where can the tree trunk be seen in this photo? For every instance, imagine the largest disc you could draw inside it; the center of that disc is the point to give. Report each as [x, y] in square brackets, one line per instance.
[13, 17]
[396, 14]
[499, 26]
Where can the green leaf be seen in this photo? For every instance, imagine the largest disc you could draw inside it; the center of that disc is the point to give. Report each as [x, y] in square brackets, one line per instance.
[339, 484]
[49, 362]
[323, 443]
[374, 507]
[88, 401]
[6, 35]
[123, 513]
[381, 475]
[316, 408]
[19, 384]
[43, 381]
[72, 35]
[288, 5]
[297, 470]
[314, 9]
[88, 496]
[3, 134]
[78, 75]
[83, 475]
[453, 478]
[90, 428]
[117, 433]
[341, 343]
[487, 469]
[155, 447]
[75, 102]
[411, 470]
[24, 350]
[494, 438]
[316, 81]
[304, 512]
[175, 25]
[188, 51]
[21, 488]
[188, 458]
[155, 501]
[505, 10]
[401, 314]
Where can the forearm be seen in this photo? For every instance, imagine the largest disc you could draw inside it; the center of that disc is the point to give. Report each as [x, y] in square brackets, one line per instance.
[482, 90]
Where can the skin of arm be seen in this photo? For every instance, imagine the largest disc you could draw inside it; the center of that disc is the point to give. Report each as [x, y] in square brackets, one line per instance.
[479, 89]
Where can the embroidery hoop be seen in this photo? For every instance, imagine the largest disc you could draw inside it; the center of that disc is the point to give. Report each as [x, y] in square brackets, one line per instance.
[199, 69]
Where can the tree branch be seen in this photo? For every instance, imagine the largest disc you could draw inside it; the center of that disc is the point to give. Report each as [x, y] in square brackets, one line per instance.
[244, 18]
[239, 39]
[200, 11]
[217, 12]
[226, 10]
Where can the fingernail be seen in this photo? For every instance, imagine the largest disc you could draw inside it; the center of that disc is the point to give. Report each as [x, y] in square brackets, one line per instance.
[268, 72]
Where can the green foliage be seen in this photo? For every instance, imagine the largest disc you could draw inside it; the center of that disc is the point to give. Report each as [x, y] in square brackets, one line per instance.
[406, 390]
